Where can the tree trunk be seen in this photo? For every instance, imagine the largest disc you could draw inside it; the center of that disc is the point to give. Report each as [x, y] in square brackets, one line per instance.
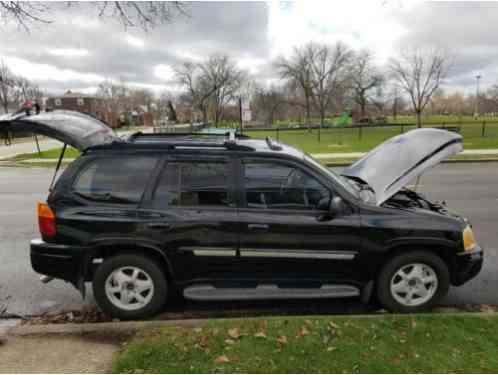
[308, 110]
[419, 119]
[362, 107]
[204, 116]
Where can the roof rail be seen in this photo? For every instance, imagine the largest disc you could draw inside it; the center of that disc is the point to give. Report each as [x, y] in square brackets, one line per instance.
[272, 144]
[188, 140]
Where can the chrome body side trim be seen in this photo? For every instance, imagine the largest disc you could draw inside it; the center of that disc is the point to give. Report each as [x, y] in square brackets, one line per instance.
[302, 254]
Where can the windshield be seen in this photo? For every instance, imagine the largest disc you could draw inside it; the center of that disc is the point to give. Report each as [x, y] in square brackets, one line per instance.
[344, 182]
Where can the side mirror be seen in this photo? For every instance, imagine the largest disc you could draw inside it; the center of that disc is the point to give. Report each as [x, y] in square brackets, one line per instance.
[332, 208]
[337, 206]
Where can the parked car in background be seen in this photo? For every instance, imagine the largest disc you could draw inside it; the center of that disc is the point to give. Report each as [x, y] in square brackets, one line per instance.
[226, 217]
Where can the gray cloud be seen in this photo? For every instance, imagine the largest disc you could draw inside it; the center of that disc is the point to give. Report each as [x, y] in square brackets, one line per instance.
[467, 30]
[238, 29]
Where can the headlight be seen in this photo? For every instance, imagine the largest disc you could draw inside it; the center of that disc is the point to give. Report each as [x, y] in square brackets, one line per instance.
[469, 241]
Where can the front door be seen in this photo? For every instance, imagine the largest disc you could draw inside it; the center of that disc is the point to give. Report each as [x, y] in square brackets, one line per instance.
[286, 235]
[193, 215]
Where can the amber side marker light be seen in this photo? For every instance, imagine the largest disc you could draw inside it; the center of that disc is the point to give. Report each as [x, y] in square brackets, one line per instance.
[46, 220]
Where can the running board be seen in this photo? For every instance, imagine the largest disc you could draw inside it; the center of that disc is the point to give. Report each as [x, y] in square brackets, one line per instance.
[210, 293]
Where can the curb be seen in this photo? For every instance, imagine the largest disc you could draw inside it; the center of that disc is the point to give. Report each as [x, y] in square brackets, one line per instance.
[133, 326]
[108, 327]
[345, 164]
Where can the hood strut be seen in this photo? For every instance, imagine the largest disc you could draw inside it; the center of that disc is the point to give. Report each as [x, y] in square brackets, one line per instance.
[61, 156]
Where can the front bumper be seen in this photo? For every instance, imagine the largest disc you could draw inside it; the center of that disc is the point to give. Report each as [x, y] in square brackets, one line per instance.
[468, 265]
[66, 262]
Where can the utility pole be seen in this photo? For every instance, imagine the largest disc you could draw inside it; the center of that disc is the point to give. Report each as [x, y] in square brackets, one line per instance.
[476, 109]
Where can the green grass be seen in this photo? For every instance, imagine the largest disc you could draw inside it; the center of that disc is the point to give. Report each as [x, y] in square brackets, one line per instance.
[387, 344]
[53, 153]
[341, 139]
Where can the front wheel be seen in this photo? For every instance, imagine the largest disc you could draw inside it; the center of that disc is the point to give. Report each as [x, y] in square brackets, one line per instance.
[413, 282]
[129, 287]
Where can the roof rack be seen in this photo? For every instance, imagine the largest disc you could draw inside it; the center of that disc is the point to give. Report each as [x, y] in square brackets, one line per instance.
[272, 145]
[189, 140]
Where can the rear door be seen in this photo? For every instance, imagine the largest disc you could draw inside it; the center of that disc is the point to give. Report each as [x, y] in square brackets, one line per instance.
[192, 214]
[73, 128]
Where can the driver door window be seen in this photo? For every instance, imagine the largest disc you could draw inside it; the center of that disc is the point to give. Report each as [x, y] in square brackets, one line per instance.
[280, 186]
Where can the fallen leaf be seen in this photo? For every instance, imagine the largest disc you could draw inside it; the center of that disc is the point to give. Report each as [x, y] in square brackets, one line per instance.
[221, 359]
[229, 342]
[260, 334]
[303, 332]
[364, 355]
[197, 329]
[308, 322]
[331, 348]
[234, 333]
[333, 325]
[282, 340]
[263, 325]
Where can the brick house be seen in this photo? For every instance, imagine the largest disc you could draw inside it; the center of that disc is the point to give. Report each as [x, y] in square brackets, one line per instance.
[89, 104]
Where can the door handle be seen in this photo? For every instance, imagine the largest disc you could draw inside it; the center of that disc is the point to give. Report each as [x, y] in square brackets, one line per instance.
[159, 225]
[258, 227]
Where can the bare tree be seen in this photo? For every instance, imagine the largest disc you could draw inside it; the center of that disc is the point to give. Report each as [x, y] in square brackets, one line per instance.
[6, 86]
[365, 77]
[214, 82]
[142, 14]
[419, 73]
[267, 101]
[221, 73]
[199, 89]
[298, 69]
[329, 74]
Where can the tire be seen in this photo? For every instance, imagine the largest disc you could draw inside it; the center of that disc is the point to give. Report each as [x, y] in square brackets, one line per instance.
[404, 279]
[121, 295]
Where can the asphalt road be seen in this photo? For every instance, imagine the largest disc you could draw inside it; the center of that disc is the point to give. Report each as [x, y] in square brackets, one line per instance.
[470, 188]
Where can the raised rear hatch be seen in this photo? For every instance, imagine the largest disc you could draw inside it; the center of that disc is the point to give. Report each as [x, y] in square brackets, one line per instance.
[70, 127]
[393, 164]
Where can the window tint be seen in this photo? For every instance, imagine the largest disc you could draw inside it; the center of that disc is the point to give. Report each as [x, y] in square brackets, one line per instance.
[115, 180]
[278, 186]
[193, 184]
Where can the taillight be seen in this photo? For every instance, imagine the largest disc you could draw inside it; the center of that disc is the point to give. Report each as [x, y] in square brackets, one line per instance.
[46, 220]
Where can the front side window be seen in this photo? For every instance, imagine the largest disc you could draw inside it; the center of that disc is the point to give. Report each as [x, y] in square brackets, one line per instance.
[193, 184]
[280, 186]
[115, 180]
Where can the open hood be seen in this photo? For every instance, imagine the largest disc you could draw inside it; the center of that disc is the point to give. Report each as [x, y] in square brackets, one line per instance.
[394, 163]
[74, 128]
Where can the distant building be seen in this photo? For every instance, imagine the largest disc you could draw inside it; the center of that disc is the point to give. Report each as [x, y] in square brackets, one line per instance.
[89, 104]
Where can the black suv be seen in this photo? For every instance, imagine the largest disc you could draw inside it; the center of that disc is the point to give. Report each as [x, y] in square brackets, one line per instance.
[238, 218]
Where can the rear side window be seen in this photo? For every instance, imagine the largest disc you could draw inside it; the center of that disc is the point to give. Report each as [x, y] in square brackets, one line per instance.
[115, 180]
[193, 184]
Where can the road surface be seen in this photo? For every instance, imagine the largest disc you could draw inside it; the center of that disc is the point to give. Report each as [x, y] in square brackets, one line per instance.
[470, 188]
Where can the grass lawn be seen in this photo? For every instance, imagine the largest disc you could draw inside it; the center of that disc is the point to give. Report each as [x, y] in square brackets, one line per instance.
[392, 344]
[349, 139]
[53, 153]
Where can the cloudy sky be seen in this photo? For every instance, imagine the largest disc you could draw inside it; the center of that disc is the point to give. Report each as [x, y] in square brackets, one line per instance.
[77, 50]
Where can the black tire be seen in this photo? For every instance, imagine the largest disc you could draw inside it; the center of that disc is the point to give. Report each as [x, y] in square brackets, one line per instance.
[157, 276]
[394, 264]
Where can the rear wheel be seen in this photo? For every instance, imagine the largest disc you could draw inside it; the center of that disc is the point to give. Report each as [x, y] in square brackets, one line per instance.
[412, 282]
[130, 287]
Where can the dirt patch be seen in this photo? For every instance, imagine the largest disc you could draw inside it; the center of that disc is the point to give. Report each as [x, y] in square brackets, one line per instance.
[89, 315]
[58, 354]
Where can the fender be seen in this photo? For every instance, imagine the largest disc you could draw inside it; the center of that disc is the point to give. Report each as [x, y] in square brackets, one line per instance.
[420, 241]
[153, 246]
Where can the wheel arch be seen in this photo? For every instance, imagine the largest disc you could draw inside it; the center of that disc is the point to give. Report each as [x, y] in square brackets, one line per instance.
[441, 249]
[107, 250]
